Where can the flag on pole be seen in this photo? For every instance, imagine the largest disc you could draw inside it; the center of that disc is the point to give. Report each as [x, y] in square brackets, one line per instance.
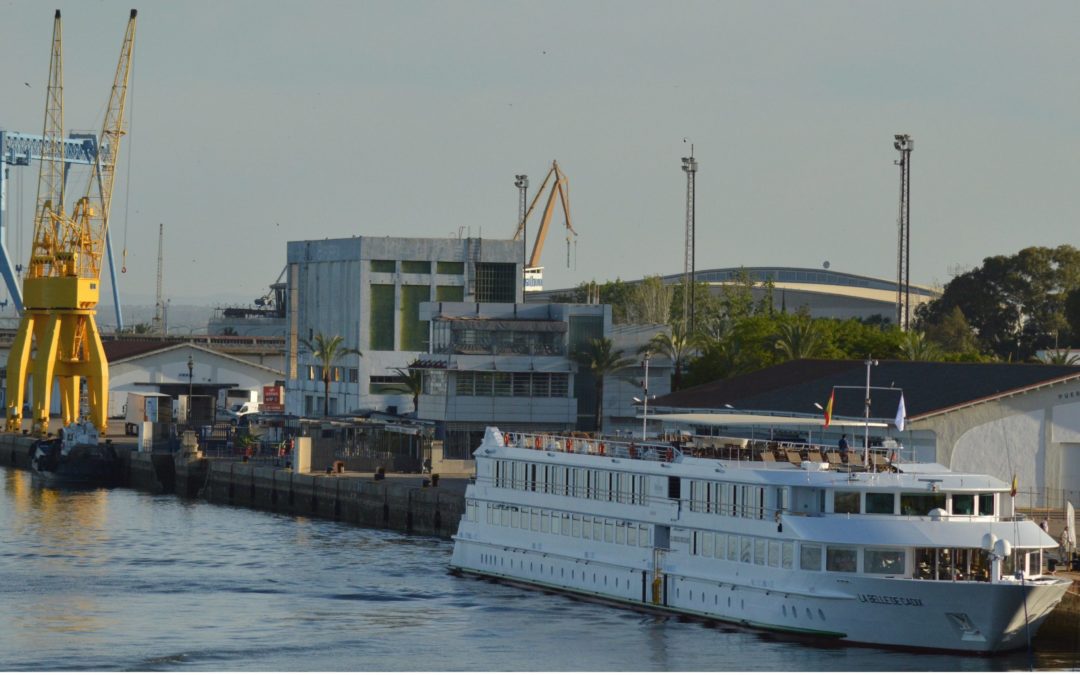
[901, 413]
[1013, 488]
[828, 408]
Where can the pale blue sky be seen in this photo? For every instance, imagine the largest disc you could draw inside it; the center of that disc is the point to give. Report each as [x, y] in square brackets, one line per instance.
[411, 118]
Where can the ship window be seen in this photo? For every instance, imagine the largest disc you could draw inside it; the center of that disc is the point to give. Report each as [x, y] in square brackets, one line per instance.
[598, 529]
[921, 504]
[880, 502]
[721, 545]
[586, 529]
[747, 549]
[810, 557]
[545, 522]
[774, 554]
[986, 504]
[609, 531]
[841, 559]
[963, 505]
[760, 547]
[787, 555]
[515, 519]
[566, 524]
[882, 561]
[631, 535]
[620, 534]
[534, 516]
[845, 502]
[643, 536]
[505, 517]
[577, 526]
[707, 544]
[733, 547]
[525, 519]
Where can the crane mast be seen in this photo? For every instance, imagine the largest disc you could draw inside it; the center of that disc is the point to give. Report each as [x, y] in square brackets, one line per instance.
[58, 338]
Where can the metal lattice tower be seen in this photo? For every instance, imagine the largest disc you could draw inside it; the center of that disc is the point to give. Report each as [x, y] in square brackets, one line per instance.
[904, 144]
[521, 182]
[689, 165]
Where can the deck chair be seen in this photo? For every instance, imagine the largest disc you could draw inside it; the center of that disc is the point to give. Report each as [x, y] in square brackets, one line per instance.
[767, 456]
[880, 463]
[794, 457]
[834, 458]
[854, 460]
[814, 456]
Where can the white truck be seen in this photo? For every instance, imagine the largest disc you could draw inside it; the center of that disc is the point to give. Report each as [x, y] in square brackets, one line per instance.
[240, 403]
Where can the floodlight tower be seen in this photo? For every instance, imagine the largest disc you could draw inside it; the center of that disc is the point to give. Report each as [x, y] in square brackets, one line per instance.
[689, 165]
[521, 182]
[904, 144]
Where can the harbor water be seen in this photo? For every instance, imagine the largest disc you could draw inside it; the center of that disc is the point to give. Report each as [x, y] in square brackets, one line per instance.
[122, 580]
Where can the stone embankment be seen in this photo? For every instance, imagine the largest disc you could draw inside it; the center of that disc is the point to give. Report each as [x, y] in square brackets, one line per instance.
[398, 502]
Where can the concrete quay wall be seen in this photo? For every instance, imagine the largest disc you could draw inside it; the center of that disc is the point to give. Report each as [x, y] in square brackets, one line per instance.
[396, 503]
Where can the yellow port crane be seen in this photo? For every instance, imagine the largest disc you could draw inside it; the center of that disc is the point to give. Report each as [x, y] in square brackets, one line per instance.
[58, 338]
[561, 187]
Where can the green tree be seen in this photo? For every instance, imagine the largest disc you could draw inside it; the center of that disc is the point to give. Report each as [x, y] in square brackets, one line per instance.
[602, 359]
[649, 302]
[799, 338]
[678, 346]
[327, 350]
[1015, 304]
[412, 383]
[914, 346]
[953, 332]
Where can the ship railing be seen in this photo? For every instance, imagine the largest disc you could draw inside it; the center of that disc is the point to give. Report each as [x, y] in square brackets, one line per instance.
[657, 452]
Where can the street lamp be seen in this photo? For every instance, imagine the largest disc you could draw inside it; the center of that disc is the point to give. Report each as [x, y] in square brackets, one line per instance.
[190, 383]
[645, 396]
[521, 182]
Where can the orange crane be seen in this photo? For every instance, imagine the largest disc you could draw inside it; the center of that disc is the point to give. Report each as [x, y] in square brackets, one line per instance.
[58, 338]
[561, 187]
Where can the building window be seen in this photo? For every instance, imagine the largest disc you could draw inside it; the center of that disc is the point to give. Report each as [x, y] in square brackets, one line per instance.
[415, 267]
[446, 267]
[354, 375]
[449, 293]
[496, 282]
[414, 332]
[386, 384]
[385, 266]
[845, 502]
[381, 335]
[435, 382]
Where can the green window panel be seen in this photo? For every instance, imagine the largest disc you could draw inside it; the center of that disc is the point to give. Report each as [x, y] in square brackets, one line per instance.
[415, 267]
[414, 332]
[381, 336]
[449, 293]
[444, 267]
[383, 266]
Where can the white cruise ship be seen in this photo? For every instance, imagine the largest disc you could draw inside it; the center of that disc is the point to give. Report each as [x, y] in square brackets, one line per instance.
[907, 555]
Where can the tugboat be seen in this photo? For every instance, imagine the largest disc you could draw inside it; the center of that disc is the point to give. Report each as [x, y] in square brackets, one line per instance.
[76, 458]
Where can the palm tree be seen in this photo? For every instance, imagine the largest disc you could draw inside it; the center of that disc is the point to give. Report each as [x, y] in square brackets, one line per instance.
[412, 383]
[601, 358]
[799, 339]
[1060, 357]
[915, 347]
[678, 346]
[327, 350]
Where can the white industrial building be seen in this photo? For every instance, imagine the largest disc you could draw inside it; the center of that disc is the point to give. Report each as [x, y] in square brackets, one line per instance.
[369, 291]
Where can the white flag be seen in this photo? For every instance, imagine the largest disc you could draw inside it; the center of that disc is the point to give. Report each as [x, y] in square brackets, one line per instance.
[901, 413]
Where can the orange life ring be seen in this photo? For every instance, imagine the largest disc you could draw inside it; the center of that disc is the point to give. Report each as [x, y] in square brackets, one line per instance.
[670, 455]
[569, 445]
[536, 443]
[506, 439]
[601, 448]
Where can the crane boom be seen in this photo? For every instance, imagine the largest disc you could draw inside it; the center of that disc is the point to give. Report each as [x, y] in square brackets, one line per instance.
[560, 186]
[57, 330]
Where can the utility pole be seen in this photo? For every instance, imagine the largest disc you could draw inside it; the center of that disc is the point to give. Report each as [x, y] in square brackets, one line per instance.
[158, 324]
[904, 144]
[521, 182]
[689, 165]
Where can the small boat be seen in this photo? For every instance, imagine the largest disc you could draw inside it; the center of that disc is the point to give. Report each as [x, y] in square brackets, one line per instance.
[76, 458]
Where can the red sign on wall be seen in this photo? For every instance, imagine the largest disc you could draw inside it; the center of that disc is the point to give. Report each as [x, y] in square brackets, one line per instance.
[273, 399]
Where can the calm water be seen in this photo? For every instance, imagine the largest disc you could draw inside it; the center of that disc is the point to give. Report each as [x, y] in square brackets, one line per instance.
[120, 580]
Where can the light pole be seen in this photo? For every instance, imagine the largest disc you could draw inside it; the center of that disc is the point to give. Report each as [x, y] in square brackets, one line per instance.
[190, 384]
[866, 432]
[521, 182]
[645, 397]
[690, 165]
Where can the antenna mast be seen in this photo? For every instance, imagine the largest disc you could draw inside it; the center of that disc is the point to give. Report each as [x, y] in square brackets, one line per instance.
[158, 324]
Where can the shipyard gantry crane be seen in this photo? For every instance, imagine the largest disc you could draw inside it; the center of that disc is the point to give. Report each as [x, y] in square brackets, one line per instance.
[58, 338]
[559, 186]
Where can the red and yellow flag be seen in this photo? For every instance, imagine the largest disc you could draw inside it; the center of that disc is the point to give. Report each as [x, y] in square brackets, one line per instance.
[1013, 487]
[828, 408]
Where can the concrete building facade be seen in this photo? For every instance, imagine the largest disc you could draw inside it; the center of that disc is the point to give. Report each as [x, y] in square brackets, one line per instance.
[369, 291]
